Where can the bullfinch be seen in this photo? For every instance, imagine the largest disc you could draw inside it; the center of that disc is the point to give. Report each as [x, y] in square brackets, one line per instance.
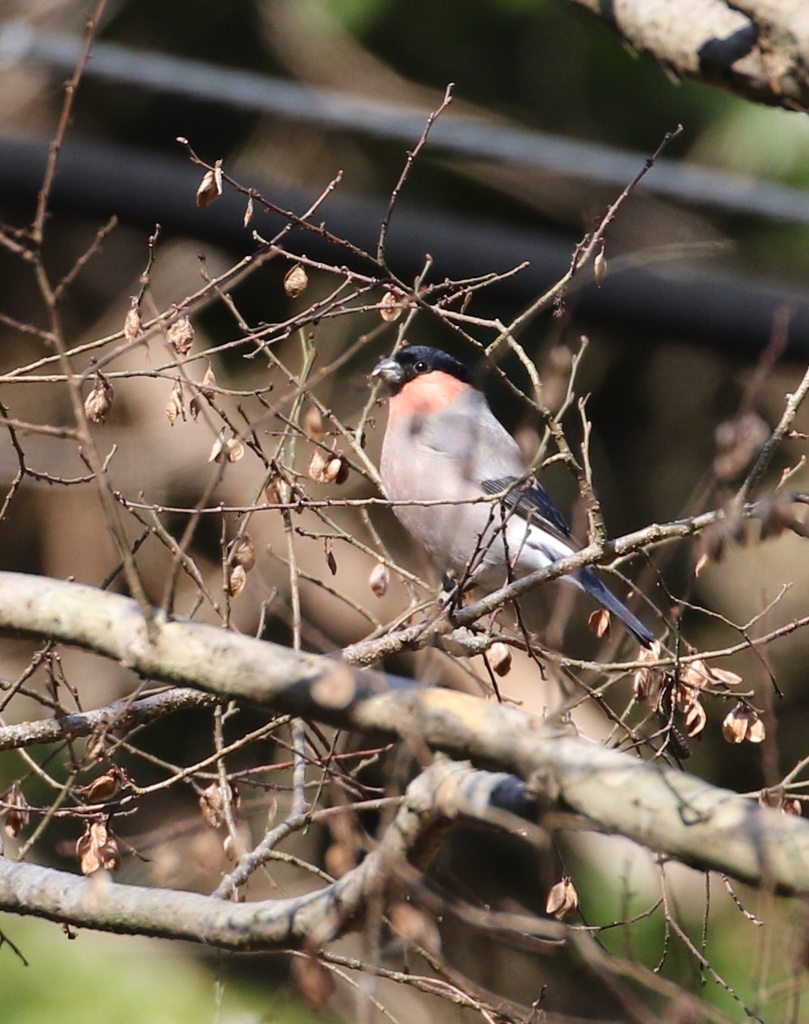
[443, 443]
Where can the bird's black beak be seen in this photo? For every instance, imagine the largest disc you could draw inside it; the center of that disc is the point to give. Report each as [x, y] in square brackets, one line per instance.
[390, 373]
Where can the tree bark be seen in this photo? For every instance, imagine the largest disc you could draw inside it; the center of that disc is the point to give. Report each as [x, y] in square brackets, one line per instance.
[758, 49]
[660, 807]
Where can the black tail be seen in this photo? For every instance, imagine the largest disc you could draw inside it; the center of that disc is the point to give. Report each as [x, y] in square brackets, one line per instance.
[588, 581]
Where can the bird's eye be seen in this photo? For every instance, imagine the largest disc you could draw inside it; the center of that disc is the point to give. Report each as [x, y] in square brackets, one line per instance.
[421, 366]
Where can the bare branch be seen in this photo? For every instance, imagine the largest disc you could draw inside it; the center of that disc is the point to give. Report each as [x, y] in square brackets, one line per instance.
[435, 801]
[647, 802]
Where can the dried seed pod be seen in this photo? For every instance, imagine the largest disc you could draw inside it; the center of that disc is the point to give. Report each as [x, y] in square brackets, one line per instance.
[723, 675]
[98, 404]
[756, 732]
[694, 716]
[327, 468]
[313, 424]
[212, 803]
[180, 335]
[210, 187]
[243, 552]
[600, 622]
[695, 674]
[248, 211]
[275, 489]
[336, 471]
[296, 281]
[217, 453]
[647, 681]
[235, 449]
[499, 655]
[600, 267]
[175, 407]
[331, 561]
[743, 723]
[133, 325]
[104, 788]
[562, 899]
[97, 849]
[231, 449]
[18, 813]
[237, 577]
[317, 465]
[207, 385]
[97, 743]
[391, 306]
[379, 579]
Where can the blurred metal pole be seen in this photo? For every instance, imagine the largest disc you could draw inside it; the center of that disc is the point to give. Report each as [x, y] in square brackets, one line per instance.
[471, 137]
[687, 300]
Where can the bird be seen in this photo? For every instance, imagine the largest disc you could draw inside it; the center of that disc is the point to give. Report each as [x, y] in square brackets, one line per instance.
[443, 443]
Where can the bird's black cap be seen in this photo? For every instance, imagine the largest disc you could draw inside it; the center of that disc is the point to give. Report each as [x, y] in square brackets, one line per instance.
[414, 360]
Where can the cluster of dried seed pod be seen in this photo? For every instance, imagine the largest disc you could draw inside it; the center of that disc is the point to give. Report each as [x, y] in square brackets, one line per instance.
[327, 467]
[241, 560]
[226, 449]
[98, 403]
[97, 849]
[743, 723]
[684, 691]
[214, 802]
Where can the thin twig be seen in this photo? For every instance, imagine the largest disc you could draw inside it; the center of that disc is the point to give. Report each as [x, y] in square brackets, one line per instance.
[411, 157]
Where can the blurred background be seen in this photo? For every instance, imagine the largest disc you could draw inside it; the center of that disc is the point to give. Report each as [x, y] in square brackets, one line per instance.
[702, 317]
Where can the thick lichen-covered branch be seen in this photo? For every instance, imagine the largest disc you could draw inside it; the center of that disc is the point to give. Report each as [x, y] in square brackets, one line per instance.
[757, 49]
[658, 806]
[442, 795]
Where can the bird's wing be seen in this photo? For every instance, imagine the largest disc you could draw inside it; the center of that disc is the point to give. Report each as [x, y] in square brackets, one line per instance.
[529, 499]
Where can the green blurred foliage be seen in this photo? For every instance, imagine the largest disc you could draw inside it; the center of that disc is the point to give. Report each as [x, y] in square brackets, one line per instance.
[93, 978]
